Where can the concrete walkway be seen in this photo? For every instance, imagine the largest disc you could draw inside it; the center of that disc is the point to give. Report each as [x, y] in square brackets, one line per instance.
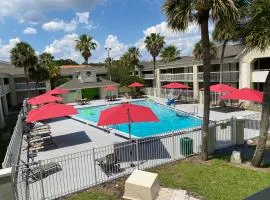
[171, 194]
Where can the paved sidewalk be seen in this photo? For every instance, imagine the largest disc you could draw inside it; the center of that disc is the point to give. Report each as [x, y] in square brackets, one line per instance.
[171, 194]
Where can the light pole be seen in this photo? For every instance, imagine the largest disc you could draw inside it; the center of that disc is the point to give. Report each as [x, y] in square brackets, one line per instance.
[109, 60]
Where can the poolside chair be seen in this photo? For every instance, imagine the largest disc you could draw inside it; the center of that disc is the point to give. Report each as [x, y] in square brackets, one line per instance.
[109, 164]
[33, 146]
[41, 138]
[40, 132]
[33, 172]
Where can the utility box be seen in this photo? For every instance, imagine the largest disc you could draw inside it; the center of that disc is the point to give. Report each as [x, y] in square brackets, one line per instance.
[141, 185]
[186, 146]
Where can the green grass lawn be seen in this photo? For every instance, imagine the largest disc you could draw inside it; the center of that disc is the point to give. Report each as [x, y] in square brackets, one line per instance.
[93, 196]
[213, 180]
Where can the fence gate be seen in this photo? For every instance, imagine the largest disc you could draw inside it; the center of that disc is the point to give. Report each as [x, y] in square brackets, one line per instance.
[224, 134]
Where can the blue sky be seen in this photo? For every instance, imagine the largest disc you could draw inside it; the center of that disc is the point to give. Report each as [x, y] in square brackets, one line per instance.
[52, 26]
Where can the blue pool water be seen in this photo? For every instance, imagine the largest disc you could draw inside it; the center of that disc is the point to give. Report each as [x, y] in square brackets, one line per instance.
[169, 121]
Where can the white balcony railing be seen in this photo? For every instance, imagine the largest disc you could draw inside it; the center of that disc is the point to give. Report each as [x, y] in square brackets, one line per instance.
[4, 89]
[148, 76]
[32, 86]
[229, 76]
[177, 77]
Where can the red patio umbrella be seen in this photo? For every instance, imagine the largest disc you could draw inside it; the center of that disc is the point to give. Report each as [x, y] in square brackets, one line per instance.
[175, 86]
[50, 111]
[110, 88]
[244, 94]
[135, 84]
[126, 113]
[222, 88]
[42, 99]
[57, 91]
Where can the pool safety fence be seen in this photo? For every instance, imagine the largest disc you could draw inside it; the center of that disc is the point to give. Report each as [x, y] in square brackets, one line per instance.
[182, 95]
[14, 147]
[60, 176]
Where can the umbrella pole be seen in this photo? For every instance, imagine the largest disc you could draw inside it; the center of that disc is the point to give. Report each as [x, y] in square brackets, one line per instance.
[130, 140]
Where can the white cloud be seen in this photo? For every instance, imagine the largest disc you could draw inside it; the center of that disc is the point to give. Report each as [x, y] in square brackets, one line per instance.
[30, 30]
[58, 25]
[83, 17]
[61, 25]
[6, 48]
[32, 11]
[182, 40]
[65, 48]
[117, 48]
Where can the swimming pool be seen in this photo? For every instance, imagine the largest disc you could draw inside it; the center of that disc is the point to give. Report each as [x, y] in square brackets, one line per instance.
[169, 121]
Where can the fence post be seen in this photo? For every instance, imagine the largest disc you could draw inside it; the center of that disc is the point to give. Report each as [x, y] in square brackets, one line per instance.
[239, 130]
[173, 141]
[95, 172]
[137, 153]
[212, 139]
[41, 180]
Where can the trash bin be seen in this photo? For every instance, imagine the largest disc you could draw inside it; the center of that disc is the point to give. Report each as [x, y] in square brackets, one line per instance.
[186, 146]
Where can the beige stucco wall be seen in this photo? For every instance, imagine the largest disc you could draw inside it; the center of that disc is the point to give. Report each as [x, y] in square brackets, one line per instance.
[72, 96]
[246, 60]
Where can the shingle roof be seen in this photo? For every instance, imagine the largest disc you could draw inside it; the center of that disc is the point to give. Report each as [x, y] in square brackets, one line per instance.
[231, 51]
[75, 84]
[71, 70]
[148, 65]
[11, 70]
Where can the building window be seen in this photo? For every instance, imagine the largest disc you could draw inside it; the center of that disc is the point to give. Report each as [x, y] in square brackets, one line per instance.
[262, 64]
[258, 86]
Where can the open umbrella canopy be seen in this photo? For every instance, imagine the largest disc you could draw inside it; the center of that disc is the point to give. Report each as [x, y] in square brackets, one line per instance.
[136, 84]
[222, 88]
[175, 86]
[126, 113]
[110, 87]
[42, 99]
[57, 91]
[50, 111]
[244, 94]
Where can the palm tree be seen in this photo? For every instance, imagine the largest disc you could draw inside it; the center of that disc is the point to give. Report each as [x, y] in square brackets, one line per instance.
[46, 61]
[23, 55]
[226, 31]
[154, 44]
[131, 58]
[257, 36]
[198, 50]
[182, 13]
[169, 53]
[134, 55]
[84, 44]
[45, 69]
[38, 74]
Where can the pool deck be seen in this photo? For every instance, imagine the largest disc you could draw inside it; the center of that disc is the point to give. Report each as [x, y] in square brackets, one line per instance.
[72, 136]
[76, 138]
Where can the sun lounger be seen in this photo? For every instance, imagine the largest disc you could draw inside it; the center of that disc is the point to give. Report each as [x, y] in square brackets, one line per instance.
[109, 164]
[34, 172]
[41, 138]
[37, 125]
[40, 132]
[33, 146]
